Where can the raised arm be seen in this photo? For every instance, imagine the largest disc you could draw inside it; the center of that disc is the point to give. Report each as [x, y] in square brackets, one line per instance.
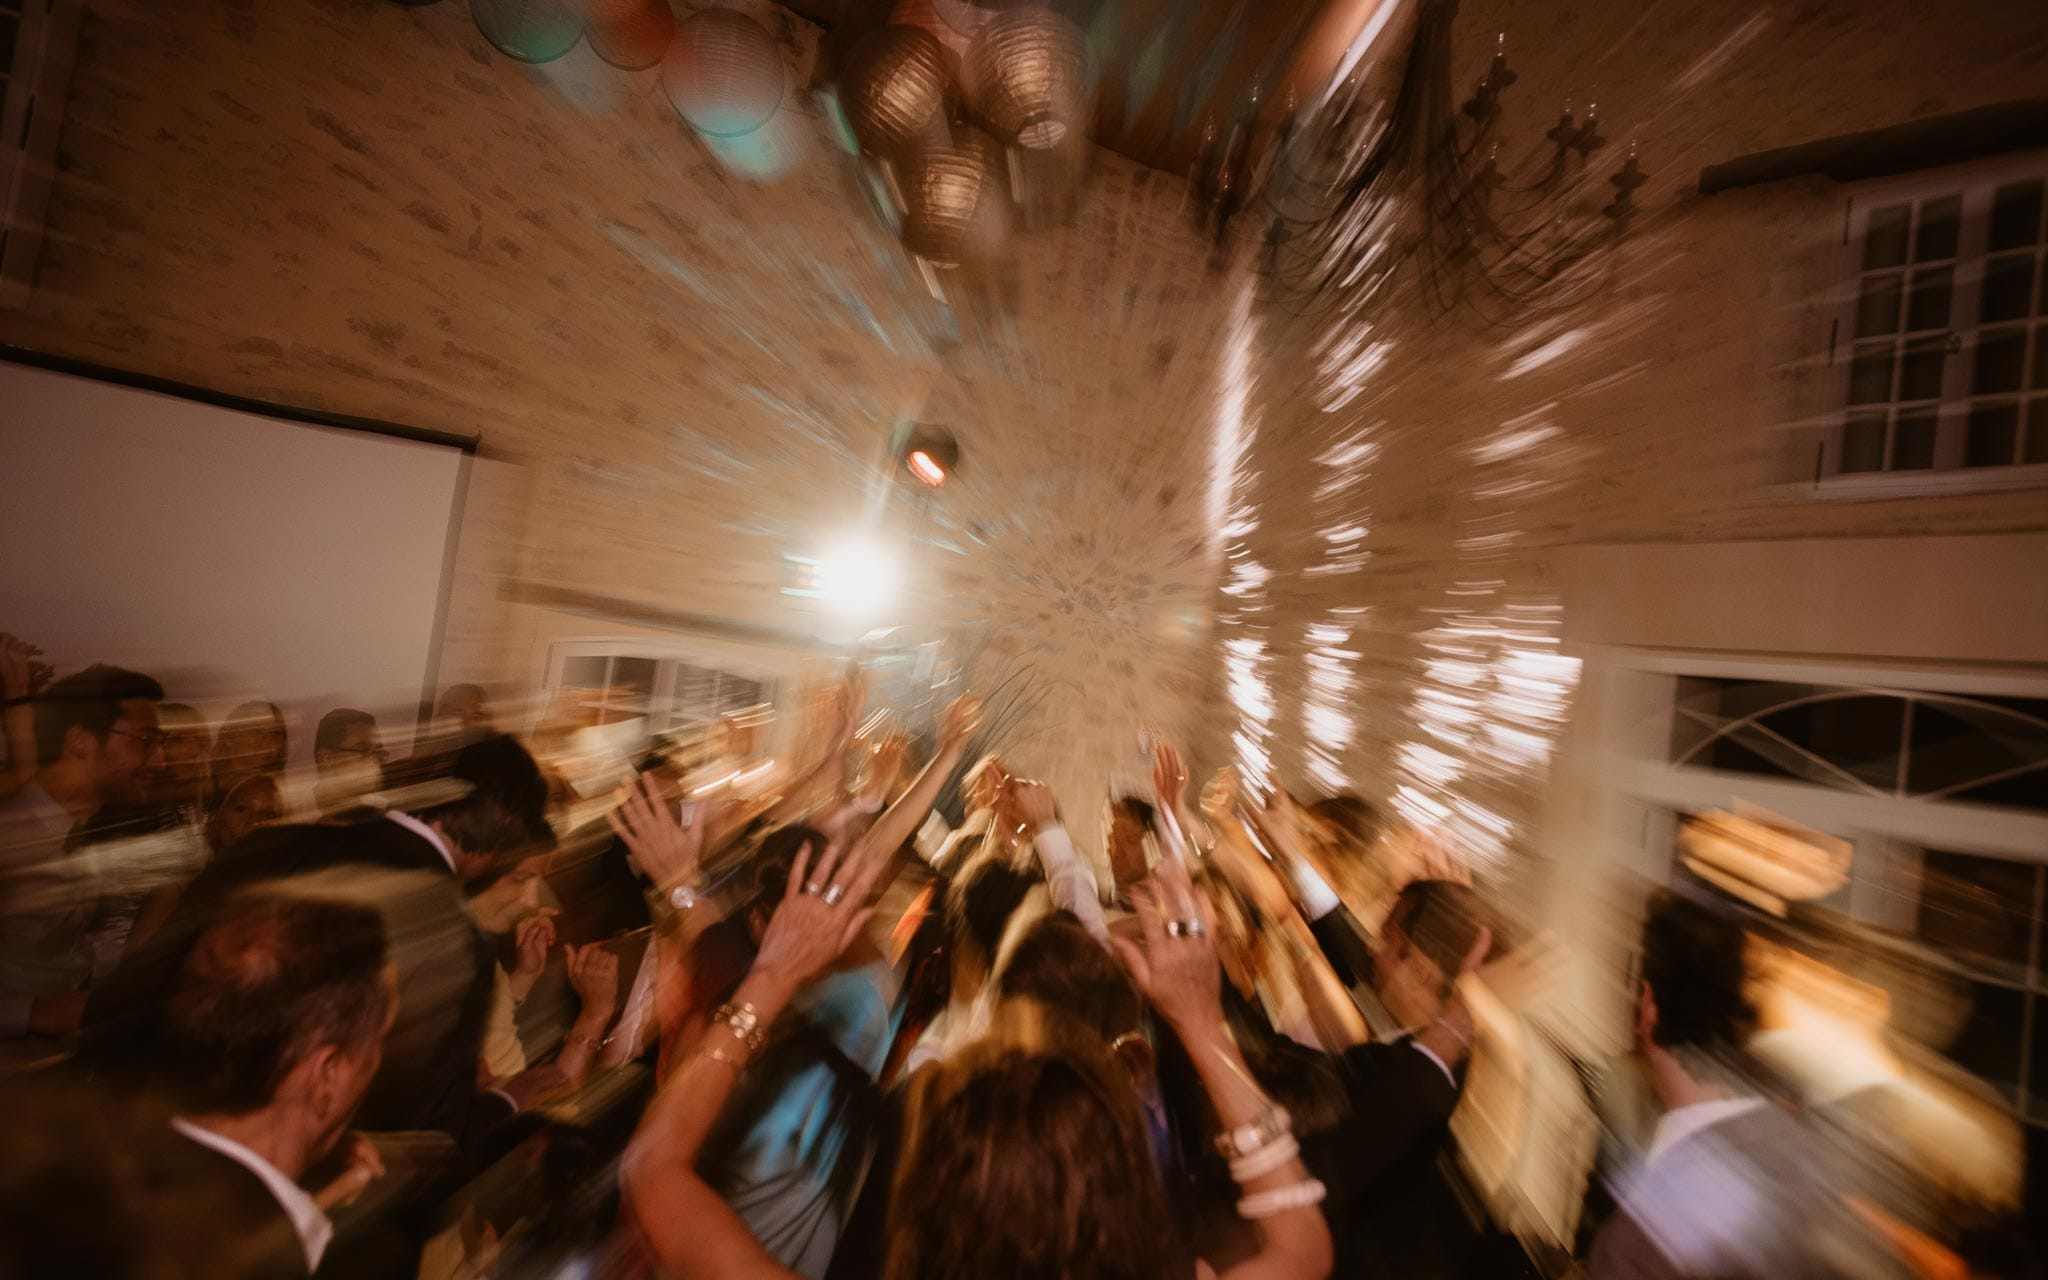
[901, 820]
[688, 1226]
[1068, 882]
[1177, 970]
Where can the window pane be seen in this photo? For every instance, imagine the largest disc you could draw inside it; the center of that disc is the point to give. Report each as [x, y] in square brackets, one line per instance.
[2037, 431]
[1877, 311]
[1980, 910]
[1991, 750]
[2016, 215]
[2040, 360]
[1994, 432]
[1939, 222]
[583, 673]
[1870, 376]
[2001, 358]
[1863, 443]
[1928, 308]
[1884, 242]
[1913, 441]
[1989, 1046]
[2008, 288]
[1920, 372]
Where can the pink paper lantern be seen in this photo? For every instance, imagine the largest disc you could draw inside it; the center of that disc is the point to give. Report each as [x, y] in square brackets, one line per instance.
[630, 34]
[723, 73]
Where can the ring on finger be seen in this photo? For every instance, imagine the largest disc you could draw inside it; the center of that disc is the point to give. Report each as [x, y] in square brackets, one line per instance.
[813, 888]
[833, 893]
[1184, 929]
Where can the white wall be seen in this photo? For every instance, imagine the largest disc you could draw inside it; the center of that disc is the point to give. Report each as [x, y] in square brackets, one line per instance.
[228, 554]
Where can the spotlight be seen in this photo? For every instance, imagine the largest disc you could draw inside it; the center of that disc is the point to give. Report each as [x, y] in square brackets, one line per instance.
[931, 455]
[856, 577]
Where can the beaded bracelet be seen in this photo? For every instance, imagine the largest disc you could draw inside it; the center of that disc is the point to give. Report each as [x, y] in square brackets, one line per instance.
[1266, 1204]
[744, 1021]
[1246, 1138]
[1265, 1160]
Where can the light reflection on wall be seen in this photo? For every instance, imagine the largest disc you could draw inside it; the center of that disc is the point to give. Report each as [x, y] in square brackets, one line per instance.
[1494, 690]
[1247, 663]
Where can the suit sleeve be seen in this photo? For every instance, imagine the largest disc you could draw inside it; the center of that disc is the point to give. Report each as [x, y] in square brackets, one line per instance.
[1398, 1098]
[1342, 941]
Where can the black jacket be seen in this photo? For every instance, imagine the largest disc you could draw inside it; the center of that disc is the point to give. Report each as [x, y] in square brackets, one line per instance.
[428, 1077]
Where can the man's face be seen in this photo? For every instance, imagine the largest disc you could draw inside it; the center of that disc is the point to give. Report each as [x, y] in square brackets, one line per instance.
[1126, 847]
[512, 898]
[130, 755]
[1408, 983]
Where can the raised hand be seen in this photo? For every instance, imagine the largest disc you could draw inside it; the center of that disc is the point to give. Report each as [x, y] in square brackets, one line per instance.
[1032, 803]
[1176, 967]
[959, 721]
[666, 849]
[1219, 798]
[594, 976]
[1436, 859]
[533, 939]
[821, 912]
[1169, 775]
[1527, 975]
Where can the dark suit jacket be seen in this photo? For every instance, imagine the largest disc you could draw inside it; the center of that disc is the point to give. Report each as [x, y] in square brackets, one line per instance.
[1389, 1204]
[217, 1220]
[428, 1078]
[1343, 944]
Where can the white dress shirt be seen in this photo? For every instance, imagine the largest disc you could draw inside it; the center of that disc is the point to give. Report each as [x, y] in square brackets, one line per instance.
[1680, 1123]
[311, 1225]
[428, 834]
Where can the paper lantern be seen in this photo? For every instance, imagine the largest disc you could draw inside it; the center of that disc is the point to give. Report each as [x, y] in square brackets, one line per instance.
[921, 14]
[1025, 73]
[529, 30]
[631, 34]
[955, 206]
[723, 73]
[894, 86]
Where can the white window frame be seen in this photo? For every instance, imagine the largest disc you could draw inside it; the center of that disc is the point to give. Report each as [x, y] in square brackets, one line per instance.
[1976, 183]
[1626, 756]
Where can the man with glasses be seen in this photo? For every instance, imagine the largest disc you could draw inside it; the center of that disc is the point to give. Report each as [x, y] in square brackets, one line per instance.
[98, 745]
[348, 757]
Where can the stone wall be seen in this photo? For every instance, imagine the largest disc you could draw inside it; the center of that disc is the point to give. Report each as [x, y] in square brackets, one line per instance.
[684, 365]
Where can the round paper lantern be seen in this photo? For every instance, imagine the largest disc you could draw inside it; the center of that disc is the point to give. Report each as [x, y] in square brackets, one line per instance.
[723, 73]
[921, 14]
[894, 86]
[529, 30]
[1024, 75]
[631, 34]
[955, 207]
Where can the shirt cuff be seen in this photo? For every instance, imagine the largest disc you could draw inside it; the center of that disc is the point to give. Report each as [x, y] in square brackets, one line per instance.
[1312, 891]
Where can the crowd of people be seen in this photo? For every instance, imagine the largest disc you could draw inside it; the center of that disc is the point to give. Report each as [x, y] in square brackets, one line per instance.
[751, 1015]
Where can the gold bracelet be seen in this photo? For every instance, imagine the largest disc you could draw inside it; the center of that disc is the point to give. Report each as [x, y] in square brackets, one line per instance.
[744, 1021]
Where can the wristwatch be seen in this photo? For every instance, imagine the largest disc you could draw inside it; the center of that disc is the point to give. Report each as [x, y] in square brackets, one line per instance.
[683, 897]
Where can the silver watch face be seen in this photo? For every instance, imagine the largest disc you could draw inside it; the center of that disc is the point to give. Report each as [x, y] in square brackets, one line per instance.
[682, 897]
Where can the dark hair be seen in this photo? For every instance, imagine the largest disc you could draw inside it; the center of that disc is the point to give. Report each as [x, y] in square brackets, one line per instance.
[1442, 920]
[91, 700]
[504, 813]
[980, 901]
[186, 715]
[774, 857]
[454, 691]
[1136, 809]
[1023, 1162]
[1356, 823]
[1059, 964]
[271, 979]
[334, 726]
[1693, 965]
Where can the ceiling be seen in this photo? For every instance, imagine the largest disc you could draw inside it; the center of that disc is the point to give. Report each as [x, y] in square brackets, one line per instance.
[1168, 70]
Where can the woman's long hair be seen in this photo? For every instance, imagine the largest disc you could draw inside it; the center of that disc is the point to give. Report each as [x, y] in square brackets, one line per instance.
[1026, 1156]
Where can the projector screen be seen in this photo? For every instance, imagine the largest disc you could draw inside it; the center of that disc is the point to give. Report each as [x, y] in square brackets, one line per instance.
[231, 552]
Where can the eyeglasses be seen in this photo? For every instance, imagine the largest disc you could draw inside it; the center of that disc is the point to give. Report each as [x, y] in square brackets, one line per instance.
[152, 742]
[377, 753]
